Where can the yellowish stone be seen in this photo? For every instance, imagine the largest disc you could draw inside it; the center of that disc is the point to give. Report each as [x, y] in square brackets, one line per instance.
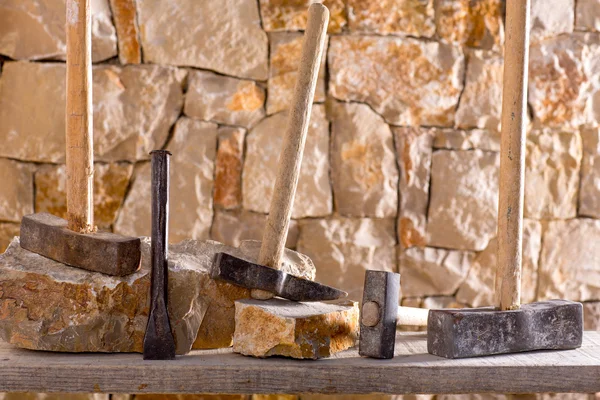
[291, 15]
[408, 17]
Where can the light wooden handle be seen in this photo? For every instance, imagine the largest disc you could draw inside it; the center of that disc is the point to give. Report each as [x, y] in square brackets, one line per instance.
[290, 159]
[79, 139]
[512, 156]
[411, 316]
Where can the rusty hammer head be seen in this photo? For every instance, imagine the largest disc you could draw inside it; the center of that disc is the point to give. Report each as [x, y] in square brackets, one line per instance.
[461, 333]
[254, 276]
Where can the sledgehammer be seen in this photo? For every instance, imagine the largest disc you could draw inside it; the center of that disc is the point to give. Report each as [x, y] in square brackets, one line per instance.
[509, 327]
[75, 242]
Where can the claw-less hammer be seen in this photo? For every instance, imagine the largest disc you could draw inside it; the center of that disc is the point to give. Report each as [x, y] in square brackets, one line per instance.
[508, 327]
[76, 242]
[264, 277]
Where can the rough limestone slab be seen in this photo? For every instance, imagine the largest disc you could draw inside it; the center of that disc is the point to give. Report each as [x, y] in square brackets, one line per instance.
[407, 81]
[344, 248]
[569, 267]
[464, 199]
[454, 139]
[480, 106]
[413, 152]
[134, 109]
[193, 146]
[476, 24]
[46, 305]
[551, 18]
[35, 30]
[587, 15]
[128, 32]
[228, 167]
[225, 100]
[364, 173]
[385, 17]
[285, 52]
[552, 174]
[237, 46]
[263, 146]
[589, 194]
[280, 15]
[280, 327]
[16, 196]
[110, 184]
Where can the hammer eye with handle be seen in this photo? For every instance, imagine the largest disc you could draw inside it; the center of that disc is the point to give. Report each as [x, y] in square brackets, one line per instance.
[407, 316]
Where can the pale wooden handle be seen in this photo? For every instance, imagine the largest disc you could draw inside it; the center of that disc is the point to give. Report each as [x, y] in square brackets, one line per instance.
[79, 139]
[290, 159]
[411, 316]
[512, 156]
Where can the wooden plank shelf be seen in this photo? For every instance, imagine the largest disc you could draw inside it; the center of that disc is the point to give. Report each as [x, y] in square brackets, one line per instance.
[221, 371]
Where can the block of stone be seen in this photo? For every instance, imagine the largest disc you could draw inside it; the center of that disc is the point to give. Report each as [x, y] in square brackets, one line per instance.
[280, 327]
[46, 305]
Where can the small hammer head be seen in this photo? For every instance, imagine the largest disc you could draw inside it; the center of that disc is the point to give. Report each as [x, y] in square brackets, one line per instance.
[104, 252]
[380, 297]
[254, 276]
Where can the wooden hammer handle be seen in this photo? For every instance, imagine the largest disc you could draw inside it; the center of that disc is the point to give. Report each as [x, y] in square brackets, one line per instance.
[79, 139]
[512, 155]
[290, 159]
[412, 316]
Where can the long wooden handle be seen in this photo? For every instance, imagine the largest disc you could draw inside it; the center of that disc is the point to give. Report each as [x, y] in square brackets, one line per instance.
[79, 139]
[512, 156]
[290, 160]
[412, 316]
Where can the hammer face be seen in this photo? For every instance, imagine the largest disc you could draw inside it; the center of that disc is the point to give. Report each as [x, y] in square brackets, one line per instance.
[548, 325]
[382, 288]
[104, 252]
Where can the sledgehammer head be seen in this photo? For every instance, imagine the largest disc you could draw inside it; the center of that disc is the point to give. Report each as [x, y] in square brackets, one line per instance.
[545, 325]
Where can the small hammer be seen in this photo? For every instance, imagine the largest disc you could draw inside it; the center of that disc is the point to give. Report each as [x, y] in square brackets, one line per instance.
[264, 277]
[75, 241]
[509, 327]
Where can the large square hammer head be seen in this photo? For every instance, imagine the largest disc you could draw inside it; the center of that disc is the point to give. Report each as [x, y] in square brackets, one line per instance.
[545, 325]
[381, 295]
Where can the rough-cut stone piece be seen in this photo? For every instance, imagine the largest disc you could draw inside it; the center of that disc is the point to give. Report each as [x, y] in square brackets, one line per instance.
[16, 195]
[224, 100]
[551, 18]
[591, 316]
[286, 49]
[384, 17]
[562, 88]
[7, 232]
[228, 168]
[414, 149]
[285, 15]
[298, 330]
[35, 30]
[433, 272]
[473, 23]
[124, 15]
[407, 81]
[263, 145]
[110, 184]
[569, 266]
[480, 104]
[552, 175]
[342, 249]
[364, 173]
[452, 139]
[237, 46]
[589, 194]
[134, 108]
[193, 146]
[233, 227]
[464, 199]
[587, 15]
[478, 289]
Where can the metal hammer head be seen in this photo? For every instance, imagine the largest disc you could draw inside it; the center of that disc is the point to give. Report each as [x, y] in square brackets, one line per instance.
[104, 252]
[378, 335]
[254, 276]
[545, 325]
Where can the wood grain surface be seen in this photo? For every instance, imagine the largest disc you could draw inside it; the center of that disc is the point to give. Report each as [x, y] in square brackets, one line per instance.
[221, 371]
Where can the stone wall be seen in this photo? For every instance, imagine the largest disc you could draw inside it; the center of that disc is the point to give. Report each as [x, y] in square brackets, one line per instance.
[401, 163]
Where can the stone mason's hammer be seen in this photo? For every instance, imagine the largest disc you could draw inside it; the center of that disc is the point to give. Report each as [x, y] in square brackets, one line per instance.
[509, 327]
[75, 242]
[264, 277]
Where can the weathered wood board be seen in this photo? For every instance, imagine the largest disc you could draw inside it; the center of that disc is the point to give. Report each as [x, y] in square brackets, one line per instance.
[221, 371]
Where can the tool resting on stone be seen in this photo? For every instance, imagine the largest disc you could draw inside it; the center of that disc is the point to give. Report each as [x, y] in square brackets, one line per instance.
[508, 327]
[75, 241]
[264, 276]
